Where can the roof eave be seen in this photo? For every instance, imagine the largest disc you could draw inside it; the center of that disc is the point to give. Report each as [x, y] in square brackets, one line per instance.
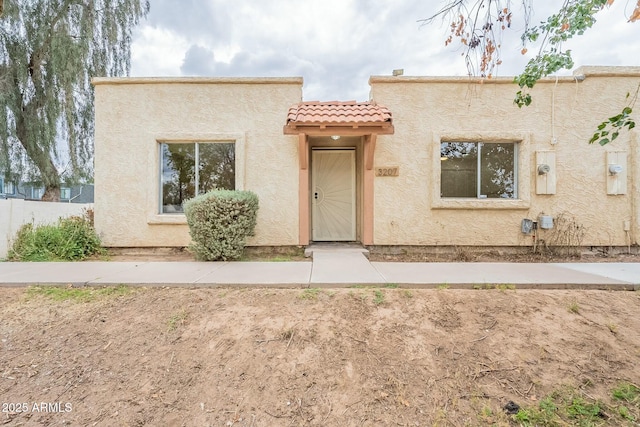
[315, 129]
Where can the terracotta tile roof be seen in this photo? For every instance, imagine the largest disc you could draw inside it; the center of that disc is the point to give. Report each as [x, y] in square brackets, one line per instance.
[338, 113]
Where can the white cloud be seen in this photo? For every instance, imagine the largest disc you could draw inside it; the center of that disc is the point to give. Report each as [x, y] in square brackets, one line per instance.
[157, 52]
[337, 44]
[611, 41]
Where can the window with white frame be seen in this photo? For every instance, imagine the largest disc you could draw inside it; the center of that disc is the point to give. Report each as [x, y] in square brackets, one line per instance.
[6, 187]
[483, 170]
[37, 193]
[192, 168]
[65, 193]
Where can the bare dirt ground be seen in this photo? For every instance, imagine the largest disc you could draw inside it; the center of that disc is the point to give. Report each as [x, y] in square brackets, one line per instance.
[345, 357]
[505, 255]
[411, 254]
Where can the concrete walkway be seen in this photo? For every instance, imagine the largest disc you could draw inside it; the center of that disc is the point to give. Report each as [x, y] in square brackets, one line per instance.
[329, 268]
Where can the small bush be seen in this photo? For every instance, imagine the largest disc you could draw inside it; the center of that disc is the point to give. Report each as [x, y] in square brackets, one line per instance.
[566, 236]
[219, 222]
[71, 239]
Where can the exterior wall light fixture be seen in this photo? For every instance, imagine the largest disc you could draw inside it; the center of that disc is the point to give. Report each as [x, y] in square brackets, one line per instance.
[335, 137]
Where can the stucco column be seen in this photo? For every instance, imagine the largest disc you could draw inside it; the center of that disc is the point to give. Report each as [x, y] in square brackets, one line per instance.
[303, 190]
[367, 189]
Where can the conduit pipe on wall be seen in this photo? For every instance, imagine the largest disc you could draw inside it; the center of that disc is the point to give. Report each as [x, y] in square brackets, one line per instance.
[77, 195]
[632, 169]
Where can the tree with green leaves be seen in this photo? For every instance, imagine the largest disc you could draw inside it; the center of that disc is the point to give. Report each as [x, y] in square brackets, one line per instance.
[478, 25]
[49, 51]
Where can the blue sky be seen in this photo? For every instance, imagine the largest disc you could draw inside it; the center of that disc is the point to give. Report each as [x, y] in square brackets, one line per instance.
[337, 44]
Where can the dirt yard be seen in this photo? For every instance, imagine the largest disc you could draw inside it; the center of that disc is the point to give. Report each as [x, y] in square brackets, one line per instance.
[346, 357]
[398, 254]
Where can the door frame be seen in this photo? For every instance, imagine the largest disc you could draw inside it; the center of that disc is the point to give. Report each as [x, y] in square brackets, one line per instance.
[365, 149]
[354, 198]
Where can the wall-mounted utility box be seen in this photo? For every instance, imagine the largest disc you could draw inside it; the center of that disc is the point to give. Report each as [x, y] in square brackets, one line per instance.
[545, 172]
[616, 170]
[526, 226]
[546, 222]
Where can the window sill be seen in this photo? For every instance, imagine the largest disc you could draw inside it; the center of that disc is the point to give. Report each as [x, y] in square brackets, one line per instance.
[489, 204]
[167, 219]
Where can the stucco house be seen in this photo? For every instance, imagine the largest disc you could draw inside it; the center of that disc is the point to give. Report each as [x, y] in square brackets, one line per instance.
[428, 161]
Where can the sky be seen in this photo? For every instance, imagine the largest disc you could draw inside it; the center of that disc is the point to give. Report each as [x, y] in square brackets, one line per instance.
[335, 45]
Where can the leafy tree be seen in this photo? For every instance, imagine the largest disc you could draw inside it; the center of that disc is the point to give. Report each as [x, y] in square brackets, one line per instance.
[479, 25]
[49, 51]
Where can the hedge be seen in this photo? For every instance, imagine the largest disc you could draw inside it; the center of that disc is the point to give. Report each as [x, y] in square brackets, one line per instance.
[219, 223]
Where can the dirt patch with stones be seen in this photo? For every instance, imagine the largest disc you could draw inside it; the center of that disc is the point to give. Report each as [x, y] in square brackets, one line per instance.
[345, 357]
[392, 254]
[501, 255]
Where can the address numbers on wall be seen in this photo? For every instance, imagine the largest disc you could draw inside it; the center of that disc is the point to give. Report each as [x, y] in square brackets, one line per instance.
[388, 171]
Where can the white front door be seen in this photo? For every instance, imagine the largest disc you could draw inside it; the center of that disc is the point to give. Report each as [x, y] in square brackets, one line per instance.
[333, 195]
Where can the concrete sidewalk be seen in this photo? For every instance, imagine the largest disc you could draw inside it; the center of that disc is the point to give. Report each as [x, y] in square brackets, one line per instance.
[327, 269]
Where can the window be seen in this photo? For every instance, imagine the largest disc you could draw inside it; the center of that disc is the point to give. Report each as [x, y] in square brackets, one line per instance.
[37, 193]
[189, 169]
[65, 193]
[483, 170]
[7, 187]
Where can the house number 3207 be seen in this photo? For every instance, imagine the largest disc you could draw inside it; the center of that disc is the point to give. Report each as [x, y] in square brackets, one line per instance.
[388, 171]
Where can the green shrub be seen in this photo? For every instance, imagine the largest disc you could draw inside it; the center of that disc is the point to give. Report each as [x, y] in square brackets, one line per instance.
[71, 239]
[219, 222]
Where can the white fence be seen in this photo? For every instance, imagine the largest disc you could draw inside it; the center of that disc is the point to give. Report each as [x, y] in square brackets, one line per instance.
[16, 212]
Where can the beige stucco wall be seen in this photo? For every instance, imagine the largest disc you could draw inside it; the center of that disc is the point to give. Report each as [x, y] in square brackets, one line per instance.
[408, 208]
[134, 114]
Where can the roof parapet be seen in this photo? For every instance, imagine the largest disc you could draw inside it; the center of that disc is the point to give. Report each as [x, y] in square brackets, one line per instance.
[607, 71]
[196, 80]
